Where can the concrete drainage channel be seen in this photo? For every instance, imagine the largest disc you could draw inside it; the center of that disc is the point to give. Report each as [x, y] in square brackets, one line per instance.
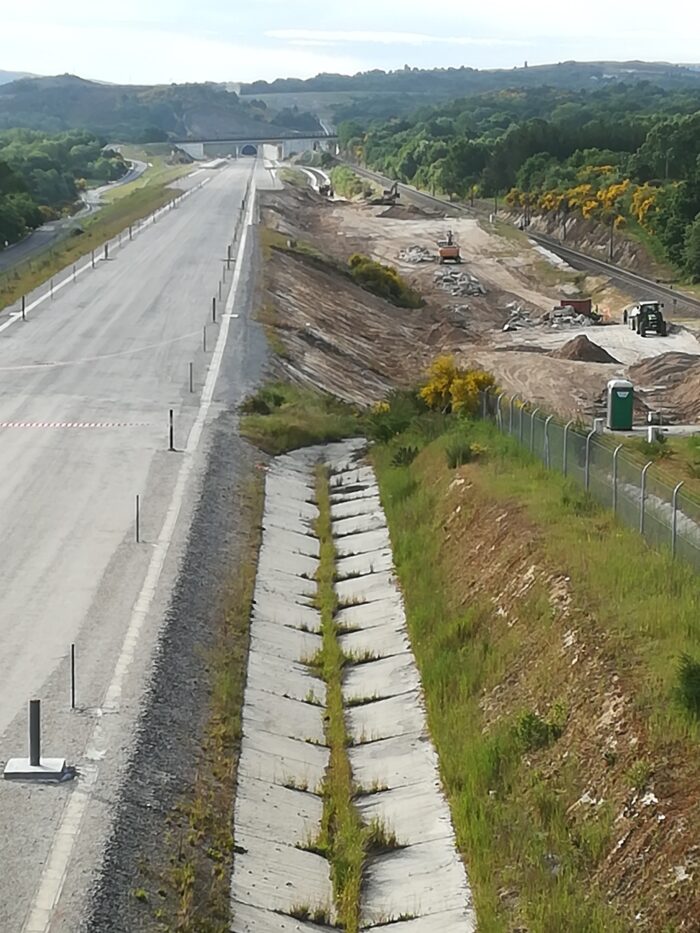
[417, 882]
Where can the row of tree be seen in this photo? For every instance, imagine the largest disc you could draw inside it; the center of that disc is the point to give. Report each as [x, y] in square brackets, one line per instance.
[41, 176]
[621, 154]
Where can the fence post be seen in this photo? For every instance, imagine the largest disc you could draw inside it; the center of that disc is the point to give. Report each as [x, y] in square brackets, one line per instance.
[674, 524]
[532, 430]
[547, 459]
[566, 446]
[588, 459]
[484, 404]
[520, 422]
[510, 416]
[616, 453]
[643, 497]
[499, 413]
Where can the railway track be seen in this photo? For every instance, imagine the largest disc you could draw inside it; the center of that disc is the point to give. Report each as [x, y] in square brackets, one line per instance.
[680, 303]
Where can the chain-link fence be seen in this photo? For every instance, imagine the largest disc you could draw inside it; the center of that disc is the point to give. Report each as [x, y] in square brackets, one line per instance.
[664, 514]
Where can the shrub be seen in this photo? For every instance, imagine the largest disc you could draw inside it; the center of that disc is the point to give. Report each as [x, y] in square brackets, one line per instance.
[404, 456]
[533, 732]
[383, 281]
[392, 417]
[654, 450]
[451, 389]
[688, 688]
[265, 401]
[459, 452]
[577, 500]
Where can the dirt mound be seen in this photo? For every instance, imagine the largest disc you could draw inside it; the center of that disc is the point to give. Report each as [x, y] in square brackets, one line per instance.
[408, 212]
[583, 349]
[668, 369]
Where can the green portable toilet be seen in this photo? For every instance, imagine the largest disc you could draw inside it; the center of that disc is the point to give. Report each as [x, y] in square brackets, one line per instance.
[620, 405]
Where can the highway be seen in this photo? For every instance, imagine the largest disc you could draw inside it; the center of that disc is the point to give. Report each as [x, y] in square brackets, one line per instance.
[86, 385]
[675, 300]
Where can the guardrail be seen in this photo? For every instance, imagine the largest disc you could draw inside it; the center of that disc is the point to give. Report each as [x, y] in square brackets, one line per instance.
[664, 514]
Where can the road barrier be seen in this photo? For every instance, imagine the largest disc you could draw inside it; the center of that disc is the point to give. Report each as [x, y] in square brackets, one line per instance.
[639, 495]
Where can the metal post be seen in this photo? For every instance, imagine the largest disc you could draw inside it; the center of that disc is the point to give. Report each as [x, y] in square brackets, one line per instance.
[499, 413]
[484, 404]
[616, 454]
[51, 287]
[171, 431]
[213, 310]
[520, 422]
[93, 259]
[131, 232]
[138, 514]
[510, 416]
[643, 497]
[74, 272]
[72, 676]
[532, 430]
[204, 338]
[191, 377]
[674, 524]
[588, 459]
[228, 257]
[547, 459]
[24, 308]
[219, 291]
[35, 733]
[106, 251]
[566, 446]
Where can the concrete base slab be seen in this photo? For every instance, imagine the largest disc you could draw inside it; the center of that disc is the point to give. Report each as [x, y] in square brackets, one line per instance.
[450, 921]
[276, 813]
[291, 542]
[367, 589]
[397, 762]
[248, 919]
[375, 643]
[355, 508]
[281, 677]
[360, 524]
[281, 760]
[284, 642]
[279, 877]
[363, 564]
[49, 769]
[416, 814]
[283, 585]
[277, 609]
[387, 612]
[420, 880]
[282, 716]
[389, 677]
[384, 719]
[350, 494]
[281, 561]
[278, 504]
[362, 475]
[362, 543]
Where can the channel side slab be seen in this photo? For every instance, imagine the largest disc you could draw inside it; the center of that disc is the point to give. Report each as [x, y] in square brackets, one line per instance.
[283, 756]
[421, 886]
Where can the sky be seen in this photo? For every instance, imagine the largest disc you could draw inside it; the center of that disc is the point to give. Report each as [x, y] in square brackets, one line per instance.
[154, 41]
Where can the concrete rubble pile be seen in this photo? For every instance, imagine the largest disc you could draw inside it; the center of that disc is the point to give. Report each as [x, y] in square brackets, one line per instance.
[559, 317]
[459, 284]
[416, 254]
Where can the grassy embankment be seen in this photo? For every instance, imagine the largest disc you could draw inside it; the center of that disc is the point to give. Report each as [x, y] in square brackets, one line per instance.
[123, 206]
[513, 779]
[190, 891]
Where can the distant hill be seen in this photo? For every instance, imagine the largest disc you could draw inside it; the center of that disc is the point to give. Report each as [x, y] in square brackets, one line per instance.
[140, 113]
[7, 76]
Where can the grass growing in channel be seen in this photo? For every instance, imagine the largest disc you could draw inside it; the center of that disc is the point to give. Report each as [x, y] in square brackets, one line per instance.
[528, 862]
[282, 417]
[342, 836]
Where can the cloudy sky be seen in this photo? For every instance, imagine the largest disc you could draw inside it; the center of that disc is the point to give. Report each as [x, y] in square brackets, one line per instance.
[144, 41]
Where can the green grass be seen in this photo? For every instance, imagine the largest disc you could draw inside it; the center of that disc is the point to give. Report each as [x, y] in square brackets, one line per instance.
[294, 177]
[511, 819]
[282, 417]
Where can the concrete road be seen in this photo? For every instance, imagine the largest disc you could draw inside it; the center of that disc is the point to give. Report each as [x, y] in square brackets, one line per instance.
[86, 385]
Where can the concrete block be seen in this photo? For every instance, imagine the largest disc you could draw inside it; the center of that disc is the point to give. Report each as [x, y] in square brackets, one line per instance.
[281, 561]
[350, 493]
[375, 643]
[397, 762]
[285, 642]
[282, 677]
[358, 476]
[370, 588]
[283, 584]
[388, 677]
[279, 877]
[383, 612]
[281, 760]
[279, 814]
[360, 524]
[362, 543]
[249, 919]
[354, 508]
[418, 813]
[49, 769]
[363, 564]
[291, 542]
[462, 920]
[282, 716]
[383, 719]
[271, 607]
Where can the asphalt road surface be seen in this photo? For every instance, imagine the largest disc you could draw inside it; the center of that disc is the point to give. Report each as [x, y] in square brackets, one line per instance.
[86, 385]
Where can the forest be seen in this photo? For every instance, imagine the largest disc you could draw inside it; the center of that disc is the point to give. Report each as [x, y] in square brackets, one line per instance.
[41, 176]
[625, 154]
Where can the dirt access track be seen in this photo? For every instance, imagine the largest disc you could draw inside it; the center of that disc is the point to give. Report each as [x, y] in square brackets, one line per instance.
[332, 333]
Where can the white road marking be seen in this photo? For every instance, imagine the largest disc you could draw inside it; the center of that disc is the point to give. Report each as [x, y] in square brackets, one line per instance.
[54, 873]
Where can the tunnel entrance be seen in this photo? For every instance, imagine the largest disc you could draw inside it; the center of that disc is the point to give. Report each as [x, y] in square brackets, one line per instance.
[249, 150]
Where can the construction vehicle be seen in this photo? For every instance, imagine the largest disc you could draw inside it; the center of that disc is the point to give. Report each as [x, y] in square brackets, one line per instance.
[389, 196]
[326, 190]
[646, 317]
[448, 250]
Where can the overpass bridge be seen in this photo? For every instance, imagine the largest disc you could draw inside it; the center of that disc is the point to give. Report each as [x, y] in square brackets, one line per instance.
[272, 147]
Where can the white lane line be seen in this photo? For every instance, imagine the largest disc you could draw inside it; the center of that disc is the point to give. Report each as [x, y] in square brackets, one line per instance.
[54, 874]
[118, 241]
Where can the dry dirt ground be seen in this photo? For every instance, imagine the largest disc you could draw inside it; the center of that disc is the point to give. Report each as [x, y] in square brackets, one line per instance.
[359, 346]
